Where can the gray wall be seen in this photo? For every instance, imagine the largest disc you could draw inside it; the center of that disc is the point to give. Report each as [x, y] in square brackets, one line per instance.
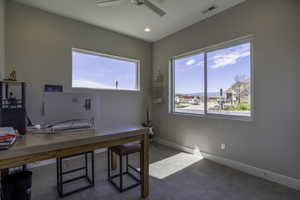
[2, 14]
[272, 140]
[38, 47]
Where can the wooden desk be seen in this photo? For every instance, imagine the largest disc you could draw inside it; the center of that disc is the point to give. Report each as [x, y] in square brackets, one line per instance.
[38, 147]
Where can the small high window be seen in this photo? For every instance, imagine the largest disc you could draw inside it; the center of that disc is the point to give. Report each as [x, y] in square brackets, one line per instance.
[98, 71]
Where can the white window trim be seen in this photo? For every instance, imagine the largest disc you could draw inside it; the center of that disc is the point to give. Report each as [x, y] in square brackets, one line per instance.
[138, 62]
[206, 50]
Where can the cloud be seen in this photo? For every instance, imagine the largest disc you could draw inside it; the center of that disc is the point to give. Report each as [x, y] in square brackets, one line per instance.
[230, 56]
[190, 62]
[88, 84]
[201, 63]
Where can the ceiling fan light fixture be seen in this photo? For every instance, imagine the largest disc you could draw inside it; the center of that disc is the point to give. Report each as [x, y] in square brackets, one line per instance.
[137, 2]
[210, 9]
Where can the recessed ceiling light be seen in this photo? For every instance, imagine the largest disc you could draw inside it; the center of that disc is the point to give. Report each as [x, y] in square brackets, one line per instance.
[147, 30]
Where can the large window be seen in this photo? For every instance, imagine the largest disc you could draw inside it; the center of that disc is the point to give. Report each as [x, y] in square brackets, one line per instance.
[189, 84]
[98, 71]
[214, 81]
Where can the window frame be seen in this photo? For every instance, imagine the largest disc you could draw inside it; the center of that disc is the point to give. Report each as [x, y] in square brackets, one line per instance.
[94, 53]
[205, 51]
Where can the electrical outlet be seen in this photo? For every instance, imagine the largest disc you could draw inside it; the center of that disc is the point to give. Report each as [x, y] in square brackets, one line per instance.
[223, 146]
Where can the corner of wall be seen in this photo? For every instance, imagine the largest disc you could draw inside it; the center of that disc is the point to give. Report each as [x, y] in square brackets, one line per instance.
[2, 37]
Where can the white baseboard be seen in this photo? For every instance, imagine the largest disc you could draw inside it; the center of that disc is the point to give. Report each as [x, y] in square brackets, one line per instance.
[262, 173]
[52, 161]
[174, 145]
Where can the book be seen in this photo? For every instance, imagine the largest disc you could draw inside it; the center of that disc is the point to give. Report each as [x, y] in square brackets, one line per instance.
[8, 137]
[8, 143]
[4, 131]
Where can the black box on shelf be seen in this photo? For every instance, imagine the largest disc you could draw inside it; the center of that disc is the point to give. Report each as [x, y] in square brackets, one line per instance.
[12, 105]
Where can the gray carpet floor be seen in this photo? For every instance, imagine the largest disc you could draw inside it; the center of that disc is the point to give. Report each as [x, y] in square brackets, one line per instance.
[174, 176]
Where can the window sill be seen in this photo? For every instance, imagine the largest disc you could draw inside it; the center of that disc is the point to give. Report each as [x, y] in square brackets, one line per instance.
[215, 116]
[103, 89]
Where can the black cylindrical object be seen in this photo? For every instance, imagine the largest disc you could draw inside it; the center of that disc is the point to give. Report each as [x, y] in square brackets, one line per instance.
[7, 189]
[23, 186]
[17, 186]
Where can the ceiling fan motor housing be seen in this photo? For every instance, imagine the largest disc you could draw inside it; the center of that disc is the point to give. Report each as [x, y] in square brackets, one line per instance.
[138, 2]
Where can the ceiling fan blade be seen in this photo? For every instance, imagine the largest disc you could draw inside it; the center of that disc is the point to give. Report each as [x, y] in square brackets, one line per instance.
[154, 8]
[105, 3]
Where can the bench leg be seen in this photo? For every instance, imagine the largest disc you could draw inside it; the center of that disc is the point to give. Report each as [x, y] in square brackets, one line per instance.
[144, 164]
[113, 161]
[4, 172]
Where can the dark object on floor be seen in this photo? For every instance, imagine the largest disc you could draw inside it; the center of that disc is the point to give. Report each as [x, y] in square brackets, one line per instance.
[12, 105]
[124, 150]
[17, 186]
[60, 174]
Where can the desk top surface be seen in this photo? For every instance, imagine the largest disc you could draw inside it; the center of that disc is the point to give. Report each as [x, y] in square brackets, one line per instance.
[43, 142]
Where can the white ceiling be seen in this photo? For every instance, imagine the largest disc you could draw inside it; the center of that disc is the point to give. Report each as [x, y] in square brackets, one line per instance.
[131, 20]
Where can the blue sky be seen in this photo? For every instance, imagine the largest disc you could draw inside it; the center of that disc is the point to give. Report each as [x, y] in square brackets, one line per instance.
[91, 71]
[223, 66]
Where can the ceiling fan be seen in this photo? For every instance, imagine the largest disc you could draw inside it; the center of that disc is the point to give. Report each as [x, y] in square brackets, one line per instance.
[147, 3]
